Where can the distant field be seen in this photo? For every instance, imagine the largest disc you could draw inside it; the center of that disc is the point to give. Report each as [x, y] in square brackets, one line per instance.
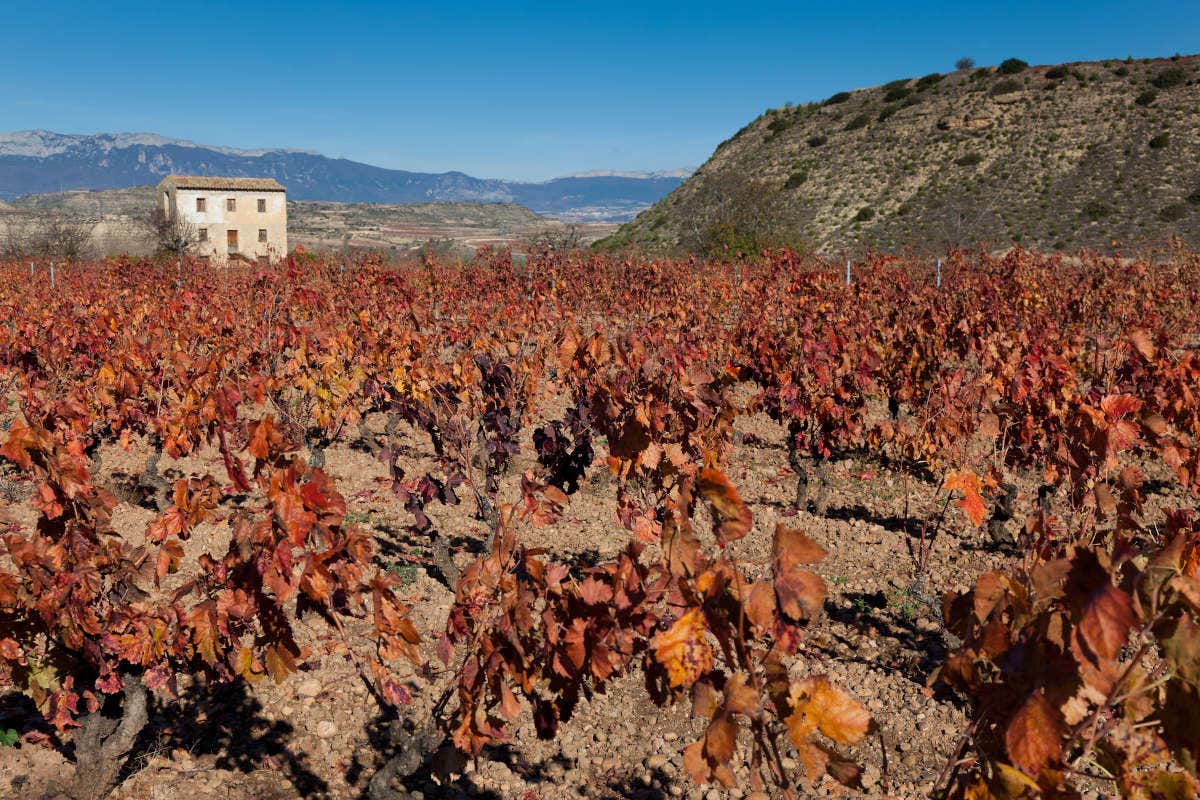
[326, 225]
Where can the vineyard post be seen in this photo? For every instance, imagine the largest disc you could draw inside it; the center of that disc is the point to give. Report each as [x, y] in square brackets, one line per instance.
[51, 274]
[847, 272]
[939, 273]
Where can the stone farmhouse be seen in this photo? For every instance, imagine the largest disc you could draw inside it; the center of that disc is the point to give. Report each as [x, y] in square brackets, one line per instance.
[236, 219]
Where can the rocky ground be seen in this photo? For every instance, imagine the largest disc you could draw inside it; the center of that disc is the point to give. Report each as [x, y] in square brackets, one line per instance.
[320, 735]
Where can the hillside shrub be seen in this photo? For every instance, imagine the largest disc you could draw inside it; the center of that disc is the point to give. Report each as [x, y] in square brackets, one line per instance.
[840, 97]
[886, 112]
[899, 93]
[1169, 78]
[980, 74]
[860, 121]
[1160, 141]
[929, 80]
[818, 140]
[1011, 66]
[1194, 198]
[797, 178]
[865, 213]
[1146, 98]
[1006, 87]
[1096, 209]
[1121, 71]
[1173, 212]
[779, 124]
[1057, 73]
[969, 160]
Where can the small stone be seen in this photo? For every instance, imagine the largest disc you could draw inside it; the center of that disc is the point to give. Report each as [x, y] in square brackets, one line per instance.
[309, 688]
[326, 728]
[788, 763]
[656, 761]
[713, 794]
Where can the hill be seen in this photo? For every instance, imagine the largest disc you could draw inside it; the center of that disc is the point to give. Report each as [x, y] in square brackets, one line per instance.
[1059, 156]
[37, 162]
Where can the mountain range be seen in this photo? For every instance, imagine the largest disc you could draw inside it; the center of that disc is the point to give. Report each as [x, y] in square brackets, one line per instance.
[37, 162]
[1099, 154]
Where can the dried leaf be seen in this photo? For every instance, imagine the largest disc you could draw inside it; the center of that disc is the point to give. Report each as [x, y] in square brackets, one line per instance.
[819, 705]
[732, 515]
[972, 502]
[1034, 736]
[684, 650]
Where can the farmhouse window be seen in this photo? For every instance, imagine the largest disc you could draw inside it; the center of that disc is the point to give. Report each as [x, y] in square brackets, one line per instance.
[231, 204]
[262, 234]
[203, 234]
[231, 240]
[200, 204]
[262, 205]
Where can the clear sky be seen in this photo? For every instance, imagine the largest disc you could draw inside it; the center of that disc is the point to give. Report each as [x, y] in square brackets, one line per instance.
[514, 89]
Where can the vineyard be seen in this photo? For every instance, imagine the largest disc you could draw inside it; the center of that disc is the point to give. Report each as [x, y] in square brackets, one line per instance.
[592, 527]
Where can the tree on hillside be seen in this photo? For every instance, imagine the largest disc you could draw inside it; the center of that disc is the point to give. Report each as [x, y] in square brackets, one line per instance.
[52, 236]
[737, 214]
[171, 233]
[558, 239]
[966, 62]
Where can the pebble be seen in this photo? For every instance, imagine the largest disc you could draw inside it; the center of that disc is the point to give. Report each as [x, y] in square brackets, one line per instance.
[309, 688]
[326, 728]
[657, 761]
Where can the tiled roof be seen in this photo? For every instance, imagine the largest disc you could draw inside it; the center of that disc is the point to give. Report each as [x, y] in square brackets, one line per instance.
[226, 184]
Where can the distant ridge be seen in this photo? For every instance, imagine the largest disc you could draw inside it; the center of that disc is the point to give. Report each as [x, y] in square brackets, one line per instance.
[38, 162]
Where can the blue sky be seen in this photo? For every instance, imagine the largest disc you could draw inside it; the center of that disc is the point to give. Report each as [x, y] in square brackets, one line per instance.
[513, 89]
